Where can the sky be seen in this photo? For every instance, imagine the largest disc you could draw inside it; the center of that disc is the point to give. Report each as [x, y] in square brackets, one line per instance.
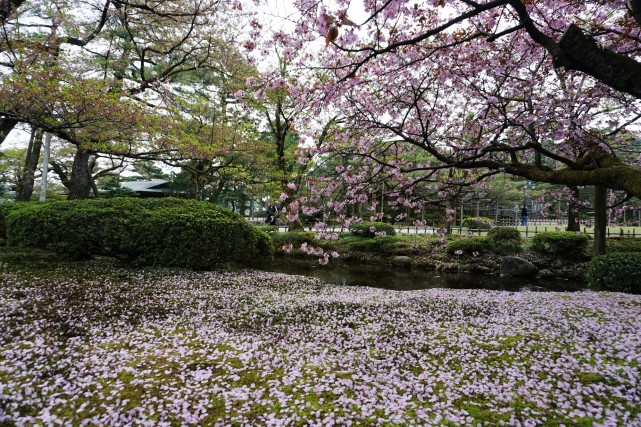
[19, 137]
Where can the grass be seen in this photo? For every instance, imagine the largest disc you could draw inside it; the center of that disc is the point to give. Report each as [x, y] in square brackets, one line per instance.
[99, 343]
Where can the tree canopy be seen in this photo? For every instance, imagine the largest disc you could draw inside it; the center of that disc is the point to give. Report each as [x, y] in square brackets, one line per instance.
[540, 89]
[408, 102]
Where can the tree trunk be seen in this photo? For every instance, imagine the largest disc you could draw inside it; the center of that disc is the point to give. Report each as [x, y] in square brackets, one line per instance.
[45, 169]
[295, 226]
[6, 126]
[197, 175]
[215, 195]
[573, 211]
[62, 174]
[242, 204]
[7, 8]
[582, 53]
[25, 187]
[92, 165]
[199, 184]
[80, 182]
[448, 221]
[600, 219]
[635, 10]
[94, 188]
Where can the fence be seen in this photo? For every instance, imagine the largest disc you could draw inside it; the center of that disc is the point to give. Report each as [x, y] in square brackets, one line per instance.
[535, 226]
[529, 231]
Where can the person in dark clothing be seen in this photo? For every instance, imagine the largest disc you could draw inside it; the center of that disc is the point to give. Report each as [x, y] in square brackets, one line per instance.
[272, 214]
[524, 218]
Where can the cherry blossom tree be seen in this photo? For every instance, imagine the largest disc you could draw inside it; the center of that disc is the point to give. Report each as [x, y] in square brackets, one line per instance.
[286, 112]
[485, 55]
[545, 90]
[599, 38]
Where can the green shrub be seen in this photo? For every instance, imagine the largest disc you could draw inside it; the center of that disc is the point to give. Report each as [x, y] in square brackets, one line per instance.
[623, 245]
[478, 223]
[369, 229]
[374, 244]
[169, 232]
[566, 244]
[5, 210]
[468, 245]
[268, 228]
[293, 237]
[504, 240]
[619, 272]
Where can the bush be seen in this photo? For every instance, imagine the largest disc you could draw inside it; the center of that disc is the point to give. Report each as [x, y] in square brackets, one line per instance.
[5, 210]
[168, 232]
[478, 223]
[504, 240]
[268, 228]
[296, 238]
[619, 272]
[369, 229]
[468, 245]
[566, 244]
[375, 244]
[623, 245]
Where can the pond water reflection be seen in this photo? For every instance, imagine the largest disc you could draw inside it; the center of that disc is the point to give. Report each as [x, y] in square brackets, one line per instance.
[402, 279]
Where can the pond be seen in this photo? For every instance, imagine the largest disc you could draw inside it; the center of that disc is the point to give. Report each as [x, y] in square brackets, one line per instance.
[402, 279]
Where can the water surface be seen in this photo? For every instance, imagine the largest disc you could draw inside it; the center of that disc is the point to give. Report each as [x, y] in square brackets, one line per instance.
[404, 279]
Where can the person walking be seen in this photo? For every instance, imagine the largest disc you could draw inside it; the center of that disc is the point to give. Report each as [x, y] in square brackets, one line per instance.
[272, 214]
[524, 218]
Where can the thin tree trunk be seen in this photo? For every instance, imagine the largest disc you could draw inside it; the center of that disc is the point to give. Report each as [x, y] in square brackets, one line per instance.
[62, 174]
[600, 219]
[25, 168]
[448, 221]
[199, 183]
[25, 188]
[80, 182]
[197, 174]
[90, 168]
[45, 168]
[94, 188]
[573, 211]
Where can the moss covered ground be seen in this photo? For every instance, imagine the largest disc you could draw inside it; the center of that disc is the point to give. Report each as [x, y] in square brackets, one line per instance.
[98, 343]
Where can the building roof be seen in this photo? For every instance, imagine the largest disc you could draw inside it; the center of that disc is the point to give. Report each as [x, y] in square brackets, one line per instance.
[153, 186]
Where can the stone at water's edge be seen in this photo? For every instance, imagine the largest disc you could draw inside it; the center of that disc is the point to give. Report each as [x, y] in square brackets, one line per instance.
[402, 261]
[516, 266]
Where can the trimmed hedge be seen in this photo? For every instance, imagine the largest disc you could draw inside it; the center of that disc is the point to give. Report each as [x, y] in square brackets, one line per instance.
[468, 245]
[373, 244]
[623, 245]
[619, 272]
[5, 210]
[369, 229]
[566, 244]
[168, 231]
[267, 228]
[504, 240]
[296, 238]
